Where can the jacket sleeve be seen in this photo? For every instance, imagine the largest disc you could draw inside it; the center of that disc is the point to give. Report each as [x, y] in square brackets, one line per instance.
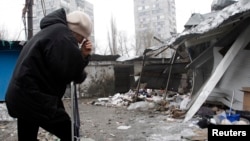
[65, 61]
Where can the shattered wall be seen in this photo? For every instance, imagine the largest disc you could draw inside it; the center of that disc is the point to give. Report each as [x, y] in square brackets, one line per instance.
[99, 81]
[106, 78]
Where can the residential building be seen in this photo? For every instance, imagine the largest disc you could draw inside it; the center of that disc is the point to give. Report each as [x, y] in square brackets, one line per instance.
[153, 18]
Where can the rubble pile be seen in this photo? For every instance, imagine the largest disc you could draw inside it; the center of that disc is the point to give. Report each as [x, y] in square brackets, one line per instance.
[174, 105]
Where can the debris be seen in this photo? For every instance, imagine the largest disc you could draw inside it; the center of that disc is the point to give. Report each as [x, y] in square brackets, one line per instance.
[112, 135]
[176, 113]
[141, 106]
[123, 127]
[195, 135]
[184, 102]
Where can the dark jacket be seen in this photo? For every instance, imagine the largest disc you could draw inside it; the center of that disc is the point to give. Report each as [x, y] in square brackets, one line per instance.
[47, 63]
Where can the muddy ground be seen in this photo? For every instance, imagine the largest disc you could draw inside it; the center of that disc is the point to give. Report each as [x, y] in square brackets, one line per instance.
[104, 123]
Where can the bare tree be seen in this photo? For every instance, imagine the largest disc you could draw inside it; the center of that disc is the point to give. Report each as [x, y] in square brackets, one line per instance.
[95, 47]
[143, 41]
[110, 43]
[3, 33]
[123, 47]
[132, 44]
[118, 41]
[112, 36]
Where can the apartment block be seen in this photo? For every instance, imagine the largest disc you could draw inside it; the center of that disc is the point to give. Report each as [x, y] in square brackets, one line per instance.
[153, 18]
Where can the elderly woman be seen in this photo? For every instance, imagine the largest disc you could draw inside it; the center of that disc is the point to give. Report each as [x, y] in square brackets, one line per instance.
[49, 61]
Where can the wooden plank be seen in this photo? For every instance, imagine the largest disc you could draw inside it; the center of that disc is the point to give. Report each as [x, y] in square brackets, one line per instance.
[204, 92]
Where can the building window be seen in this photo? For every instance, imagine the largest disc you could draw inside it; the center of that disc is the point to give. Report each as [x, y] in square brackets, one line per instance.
[139, 8]
[141, 13]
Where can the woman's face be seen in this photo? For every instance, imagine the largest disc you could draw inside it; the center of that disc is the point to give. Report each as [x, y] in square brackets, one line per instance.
[80, 39]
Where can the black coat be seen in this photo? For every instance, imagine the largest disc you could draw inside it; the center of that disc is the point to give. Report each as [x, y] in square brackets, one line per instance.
[47, 63]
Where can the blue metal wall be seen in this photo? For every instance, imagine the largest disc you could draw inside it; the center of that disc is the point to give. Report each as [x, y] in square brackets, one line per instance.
[8, 56]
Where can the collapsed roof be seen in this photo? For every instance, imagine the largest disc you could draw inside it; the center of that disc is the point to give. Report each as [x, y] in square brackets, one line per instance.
[220, 36]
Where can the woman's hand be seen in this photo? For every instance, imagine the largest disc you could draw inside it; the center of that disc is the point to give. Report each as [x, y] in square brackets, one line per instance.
[86, 48]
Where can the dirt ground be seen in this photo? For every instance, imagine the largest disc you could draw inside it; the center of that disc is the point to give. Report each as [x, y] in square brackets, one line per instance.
[103, 123]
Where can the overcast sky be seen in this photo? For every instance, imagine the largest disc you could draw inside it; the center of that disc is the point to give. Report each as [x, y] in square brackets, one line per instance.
[11, 17]
[122, 10]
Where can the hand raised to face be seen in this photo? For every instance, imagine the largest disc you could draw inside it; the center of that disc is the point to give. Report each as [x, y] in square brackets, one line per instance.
[86, 48]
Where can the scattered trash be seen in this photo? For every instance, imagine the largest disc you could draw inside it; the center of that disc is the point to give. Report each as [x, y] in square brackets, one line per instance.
[141, 106]
[123, 127]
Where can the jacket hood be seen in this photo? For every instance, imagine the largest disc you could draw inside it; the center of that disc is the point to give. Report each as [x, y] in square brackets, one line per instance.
[58, 16]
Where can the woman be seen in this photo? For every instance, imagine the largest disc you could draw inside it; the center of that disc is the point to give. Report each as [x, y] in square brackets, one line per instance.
[47, 63]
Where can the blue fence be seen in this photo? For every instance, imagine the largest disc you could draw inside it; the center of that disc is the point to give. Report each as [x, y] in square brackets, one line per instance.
[9, 52]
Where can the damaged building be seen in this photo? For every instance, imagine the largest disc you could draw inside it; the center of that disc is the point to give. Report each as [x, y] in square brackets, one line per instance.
[210, 60]
[110, 74]
[218, 47]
